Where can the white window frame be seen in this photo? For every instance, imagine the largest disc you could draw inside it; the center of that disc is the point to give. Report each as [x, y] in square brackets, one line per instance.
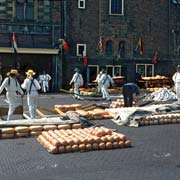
[111, 66]
[89, 66]
[77, 49]
[145, 70]
[84, 4]
[120, 14]
[113, 69]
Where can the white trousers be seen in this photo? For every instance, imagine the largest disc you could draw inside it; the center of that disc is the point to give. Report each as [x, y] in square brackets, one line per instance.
[76, 90]
[104, 90]
[177, 89]
[45, 86]
[12, 100]
[32, 105]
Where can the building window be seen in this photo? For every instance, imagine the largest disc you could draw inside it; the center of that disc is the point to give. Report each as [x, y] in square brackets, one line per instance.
[121, 49]
[109, 47]
[145, 70]
[92, 72]
[25, 9]
[81, 49]
[113, 70]
[116, 7]
[81, 4]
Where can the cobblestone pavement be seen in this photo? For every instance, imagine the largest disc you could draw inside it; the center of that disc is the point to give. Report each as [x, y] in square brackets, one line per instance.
[154, 155]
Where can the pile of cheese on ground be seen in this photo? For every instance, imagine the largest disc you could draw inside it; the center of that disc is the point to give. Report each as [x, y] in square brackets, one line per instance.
[88, 111]
[118, 103]
[71, 140]
[166, 118]
[35, 130]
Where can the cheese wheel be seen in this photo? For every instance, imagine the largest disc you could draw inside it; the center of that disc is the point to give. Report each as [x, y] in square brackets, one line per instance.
[82, 112]
[109, 145]
[62, 149]
[35, 128]
[7, 130]
[75, 147]
[107, 116]
[76, 105]
[35, 133]
[51, 148]
[22, 134]
[22, 129]
[49, 127]
[64, 126]
[4, 136]
[76, 126]
[97, 117]
[127, 143]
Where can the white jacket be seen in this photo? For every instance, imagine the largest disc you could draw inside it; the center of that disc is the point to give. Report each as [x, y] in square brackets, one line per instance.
[11, 85]
[77, 79]
[105, 80]
[176, 77]
[35, 86]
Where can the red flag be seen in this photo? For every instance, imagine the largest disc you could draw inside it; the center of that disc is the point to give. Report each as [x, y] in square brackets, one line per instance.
[85, 61]
[155, 58]
[65, 45]
[14, 44]
[140, 45]
[100, 45]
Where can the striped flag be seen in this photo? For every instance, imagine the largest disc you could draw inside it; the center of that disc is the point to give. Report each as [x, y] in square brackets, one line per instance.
[155, 58]
[140, 45]
[85, 59]
[65, 45]
[14, 44]
[100, 45]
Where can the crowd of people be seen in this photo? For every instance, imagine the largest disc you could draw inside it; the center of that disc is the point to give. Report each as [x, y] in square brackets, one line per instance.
[31, 86]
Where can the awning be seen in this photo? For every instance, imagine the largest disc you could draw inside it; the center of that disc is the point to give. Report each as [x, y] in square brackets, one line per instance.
[29, 50]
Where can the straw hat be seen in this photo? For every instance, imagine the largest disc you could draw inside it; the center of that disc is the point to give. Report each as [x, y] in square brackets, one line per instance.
[30, 73]
[13, 72]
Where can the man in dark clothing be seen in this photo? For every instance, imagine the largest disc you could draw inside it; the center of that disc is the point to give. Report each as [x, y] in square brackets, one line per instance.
[130, 92]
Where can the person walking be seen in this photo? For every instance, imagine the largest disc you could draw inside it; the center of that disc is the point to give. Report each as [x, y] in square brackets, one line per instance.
[176, 79]
[105, 81]
[13, 90]
[31, 86]
[97, 81]
[131, 93]
[44, 79]
[77, 81]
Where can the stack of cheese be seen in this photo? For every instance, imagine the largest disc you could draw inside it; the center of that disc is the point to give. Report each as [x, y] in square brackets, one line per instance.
[167, 118]
[64, 141]
[88, 111]
[114, 91]
[24, 131]
[118, 103]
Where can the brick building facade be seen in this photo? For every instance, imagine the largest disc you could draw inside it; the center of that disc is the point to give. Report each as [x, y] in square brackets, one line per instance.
[120, 24]
[158, 21]
[37, 26]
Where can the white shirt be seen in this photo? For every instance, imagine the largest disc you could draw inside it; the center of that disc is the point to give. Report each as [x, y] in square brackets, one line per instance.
[11, 85]
[77, 79]
[176, 77]
[35, 86]
[106, 80]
